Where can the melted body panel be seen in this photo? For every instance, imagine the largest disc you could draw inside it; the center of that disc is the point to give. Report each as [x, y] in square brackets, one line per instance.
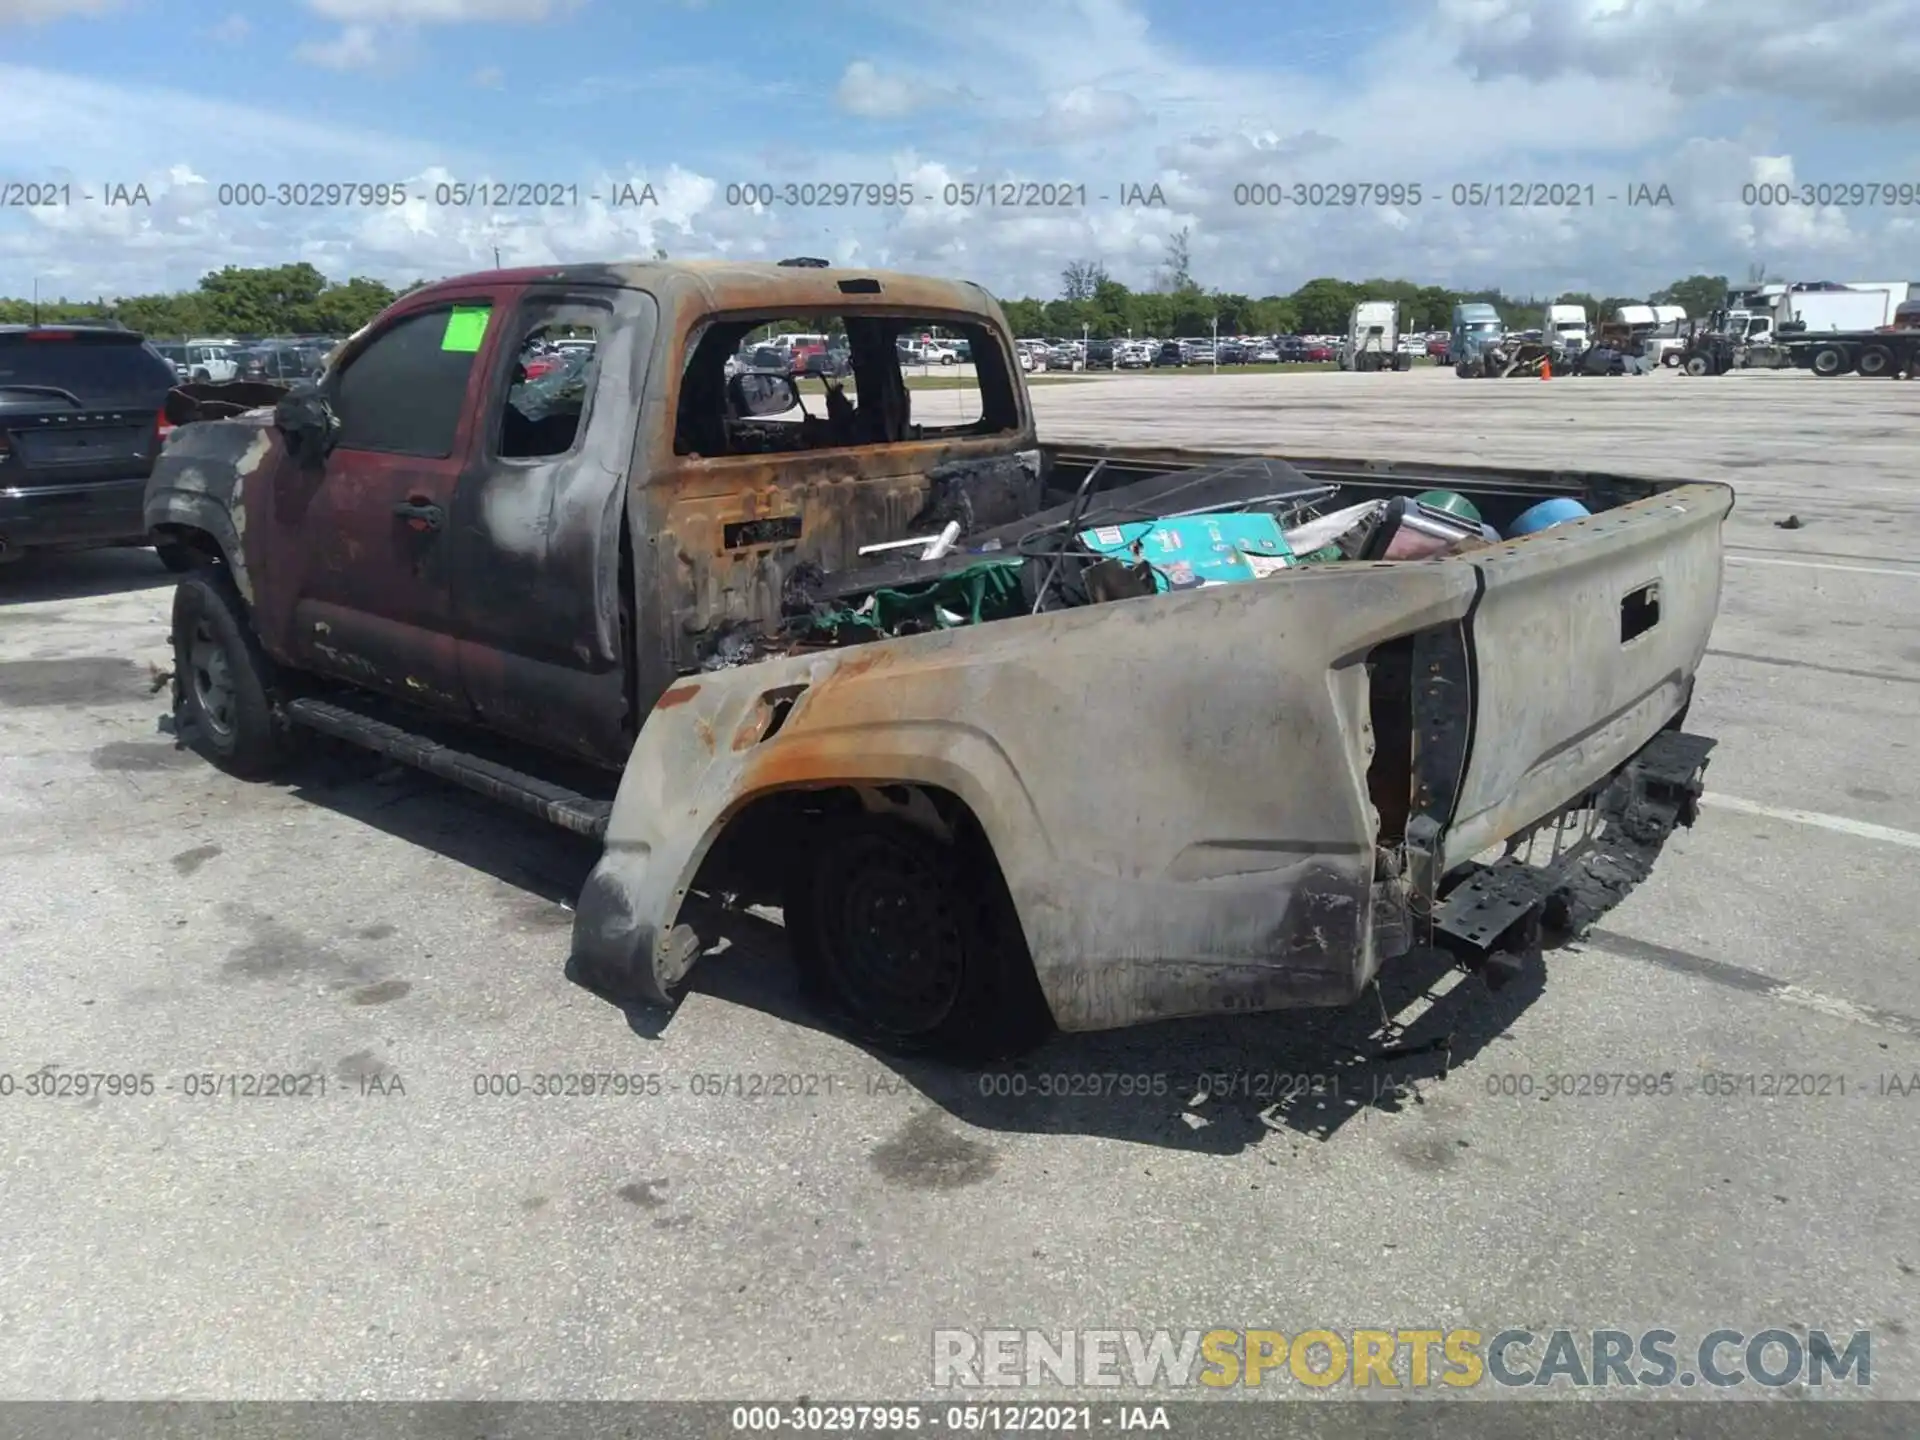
[1180, 789]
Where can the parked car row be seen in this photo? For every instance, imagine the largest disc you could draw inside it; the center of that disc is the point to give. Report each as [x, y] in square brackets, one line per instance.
[215, 360]
[1103, 354]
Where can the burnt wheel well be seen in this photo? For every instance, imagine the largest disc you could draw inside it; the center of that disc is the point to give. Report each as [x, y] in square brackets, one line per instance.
[754, 855]
[190, 537]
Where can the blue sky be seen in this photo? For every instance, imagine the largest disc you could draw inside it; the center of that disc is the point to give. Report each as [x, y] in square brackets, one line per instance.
[1701, 96]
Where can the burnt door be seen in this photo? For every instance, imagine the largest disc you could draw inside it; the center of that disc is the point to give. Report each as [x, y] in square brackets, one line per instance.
[367, 530]
[537, 521]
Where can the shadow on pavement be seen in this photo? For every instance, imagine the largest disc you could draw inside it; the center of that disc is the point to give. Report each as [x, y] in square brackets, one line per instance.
[78, 574]
[1216, 1085]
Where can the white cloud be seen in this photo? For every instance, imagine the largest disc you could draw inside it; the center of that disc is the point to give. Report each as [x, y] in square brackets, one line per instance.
[29, 11]
[1078, 91]
[876, 94]
[439, 12]
[1088, 113]
[230, 31]
[356, 47]
[1854, 61]
[489, 77]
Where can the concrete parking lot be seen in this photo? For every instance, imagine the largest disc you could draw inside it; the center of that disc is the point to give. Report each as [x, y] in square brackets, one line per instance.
[398, 1231]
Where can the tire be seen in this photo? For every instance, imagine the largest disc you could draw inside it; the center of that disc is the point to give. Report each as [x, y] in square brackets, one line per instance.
[1875, 361]
[222, 681]
[175, 556]
[1403, 363]
[946, 359]
[201, 377]
[878, 901]
[1670, 359]
[1698, 363]
[1829, 360]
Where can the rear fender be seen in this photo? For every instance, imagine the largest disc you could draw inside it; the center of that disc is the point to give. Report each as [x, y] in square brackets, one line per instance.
[1175, 787]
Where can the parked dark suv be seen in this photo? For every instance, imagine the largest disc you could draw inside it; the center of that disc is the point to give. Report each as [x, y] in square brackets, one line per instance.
[81, 421]
[1100, 355]
[1171, 352]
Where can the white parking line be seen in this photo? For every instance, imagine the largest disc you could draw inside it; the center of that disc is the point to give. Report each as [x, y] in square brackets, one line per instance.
[1859, 828]
[1822, 565]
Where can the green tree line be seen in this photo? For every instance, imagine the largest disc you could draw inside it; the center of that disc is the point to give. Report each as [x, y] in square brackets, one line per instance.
[276, 300]
[299, 300]
[1107, 309]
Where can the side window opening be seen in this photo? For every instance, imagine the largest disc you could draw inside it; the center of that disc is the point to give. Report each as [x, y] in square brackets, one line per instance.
[404, 394]
[551, 383]
[771, 384]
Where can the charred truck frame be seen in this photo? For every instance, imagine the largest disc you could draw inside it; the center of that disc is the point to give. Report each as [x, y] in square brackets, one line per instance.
[999, 777]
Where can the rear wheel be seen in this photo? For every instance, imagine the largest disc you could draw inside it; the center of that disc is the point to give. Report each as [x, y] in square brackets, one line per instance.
[175, 556]
[1403, 362]
[913, 939]
[223, 681]
[1829, 360]
[1671, 359]
[1876, 360]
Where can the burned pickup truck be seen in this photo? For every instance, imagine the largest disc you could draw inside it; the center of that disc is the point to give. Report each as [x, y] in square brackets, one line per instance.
[1015, 735]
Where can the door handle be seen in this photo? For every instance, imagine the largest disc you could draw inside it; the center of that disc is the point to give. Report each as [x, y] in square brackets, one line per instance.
[420, 513]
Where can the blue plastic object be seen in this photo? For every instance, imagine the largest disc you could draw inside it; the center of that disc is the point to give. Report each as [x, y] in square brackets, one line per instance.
[1547, 514]
[1194, 550]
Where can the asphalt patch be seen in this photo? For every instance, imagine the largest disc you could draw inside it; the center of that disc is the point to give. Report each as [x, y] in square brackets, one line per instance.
[644, 1194]
[382, 992]
[925, 1155]
[78, 680]
[188, 861]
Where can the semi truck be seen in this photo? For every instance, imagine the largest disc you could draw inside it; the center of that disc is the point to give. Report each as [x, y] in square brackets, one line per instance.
[1373, 338]
[1659, 331]
[1475, 326]
[1567, 328]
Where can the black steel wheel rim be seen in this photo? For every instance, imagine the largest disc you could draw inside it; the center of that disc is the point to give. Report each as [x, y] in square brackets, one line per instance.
[896, 943]
[214, 692]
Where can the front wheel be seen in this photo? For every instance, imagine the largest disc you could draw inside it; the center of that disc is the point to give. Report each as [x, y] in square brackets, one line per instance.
[1875, 361]
[222, 680]
[1829, 360]
[914, 940]
[1697, 365]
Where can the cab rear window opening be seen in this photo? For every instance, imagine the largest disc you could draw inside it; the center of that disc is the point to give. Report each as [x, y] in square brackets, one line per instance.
[710, 421]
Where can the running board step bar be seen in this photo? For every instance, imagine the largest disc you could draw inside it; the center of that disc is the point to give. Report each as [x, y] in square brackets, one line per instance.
[544, 800]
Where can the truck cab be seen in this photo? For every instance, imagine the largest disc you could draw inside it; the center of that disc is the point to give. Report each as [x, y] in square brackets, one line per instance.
[542, 555]
[1372, 340]
[1567, 328]
[1475, 326]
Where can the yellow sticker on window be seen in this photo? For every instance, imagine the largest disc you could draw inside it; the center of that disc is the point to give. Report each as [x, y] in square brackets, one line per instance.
[466, 328]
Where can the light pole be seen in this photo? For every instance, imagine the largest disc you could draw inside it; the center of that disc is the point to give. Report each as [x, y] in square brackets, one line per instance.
[1085, 328]
[1216, 344]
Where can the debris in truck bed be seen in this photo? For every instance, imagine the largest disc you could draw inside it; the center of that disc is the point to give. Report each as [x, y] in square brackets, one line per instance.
[984, 590]
[980, 493]
[1234, 522]
[1194, 550]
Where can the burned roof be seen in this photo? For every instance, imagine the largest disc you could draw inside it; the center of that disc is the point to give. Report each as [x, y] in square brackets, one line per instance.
[716, 285]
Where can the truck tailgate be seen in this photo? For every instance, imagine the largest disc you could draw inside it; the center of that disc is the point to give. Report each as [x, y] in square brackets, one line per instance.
[1584, 642]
